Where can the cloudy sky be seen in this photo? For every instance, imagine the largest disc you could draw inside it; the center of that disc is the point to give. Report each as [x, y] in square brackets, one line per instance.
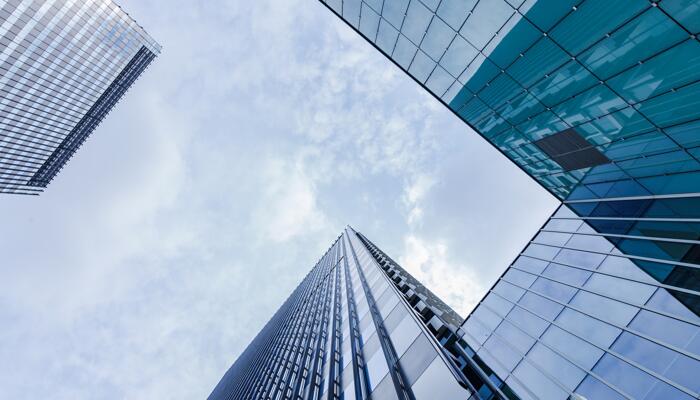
[182, 224]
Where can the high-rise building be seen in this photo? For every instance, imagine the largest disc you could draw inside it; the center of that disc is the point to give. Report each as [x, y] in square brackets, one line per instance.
[599, 101]
[358, 327]
[63, 66]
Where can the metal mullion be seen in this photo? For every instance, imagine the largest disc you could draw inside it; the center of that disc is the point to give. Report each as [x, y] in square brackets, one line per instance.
[403, 389]
[581, 288]
[654, 284]
[37, 84]
[301, 311]
[19, 109]
[633, 237]
[23, 137]
[277, 338]
[23, 151]
[52, 104]
[640, 219]
[317, 308]
[322, 340]
[630, 256]
[641, 197]
[66, 35]
[9, 156]
[359, 372]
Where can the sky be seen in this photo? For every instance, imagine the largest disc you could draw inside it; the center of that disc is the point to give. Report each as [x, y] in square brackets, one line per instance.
[260, 132]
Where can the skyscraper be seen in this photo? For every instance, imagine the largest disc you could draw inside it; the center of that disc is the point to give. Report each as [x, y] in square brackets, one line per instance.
[63, 66]
[599, 101]
[358, 326]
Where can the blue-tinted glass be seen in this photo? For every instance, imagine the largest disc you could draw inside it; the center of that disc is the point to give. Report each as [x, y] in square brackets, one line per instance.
[386, 36]
[579, 258]
[604, 308]
[499, 90]
[687, 135]
[568, 275]
[643, 37]
[518, 109]
[520, 278]
[664, 329]
[527, 321]
[454, 12]
[458, 55]
[687, 12]
[421, 67]
[670, 69]
[532, 265]
[592, 388]
[479, 73]
[437, 39]
[508, 291]
[515, 337]
[499, 356]
[540, 306]
[543, 252]
[488, 17]
[351, 11]
[417, 20]
[439, 81]
[538, 383]
[674, 107]
[542, 58]
[572, 347]
[369, 22]
[628, 378]
[562, 84]
[404, 334]
[555, 365]
[591, 104]
[590, 329]
[517, 36]
[417, 358]
[404, 52]
[394, 11]
[553, 290]
[592, 20]
[546, 13]
[437, 383]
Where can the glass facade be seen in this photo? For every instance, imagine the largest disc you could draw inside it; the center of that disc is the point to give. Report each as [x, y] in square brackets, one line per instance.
[357, 327]
[63, 66]
[599, 101]
[620, 77]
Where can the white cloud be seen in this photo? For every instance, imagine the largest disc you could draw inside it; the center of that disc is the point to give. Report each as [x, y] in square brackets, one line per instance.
[455, 283]
[288, 206]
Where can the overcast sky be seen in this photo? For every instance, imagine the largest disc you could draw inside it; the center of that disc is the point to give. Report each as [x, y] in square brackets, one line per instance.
[214, 186]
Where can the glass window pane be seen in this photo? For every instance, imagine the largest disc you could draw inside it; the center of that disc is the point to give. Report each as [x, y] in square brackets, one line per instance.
[587, 328]
[562, 370]
[417, 358]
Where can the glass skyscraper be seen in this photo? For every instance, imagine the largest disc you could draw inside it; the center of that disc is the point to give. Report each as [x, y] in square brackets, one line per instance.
[599, 102]
[63, 66]
[357, 327]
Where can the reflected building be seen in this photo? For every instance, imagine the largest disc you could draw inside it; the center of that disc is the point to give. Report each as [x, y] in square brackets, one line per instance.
[63, 66]
[599, 102]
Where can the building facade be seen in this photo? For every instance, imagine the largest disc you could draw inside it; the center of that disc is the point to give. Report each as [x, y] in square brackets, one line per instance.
[357, 327]
[599, 102]
[63, 66]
